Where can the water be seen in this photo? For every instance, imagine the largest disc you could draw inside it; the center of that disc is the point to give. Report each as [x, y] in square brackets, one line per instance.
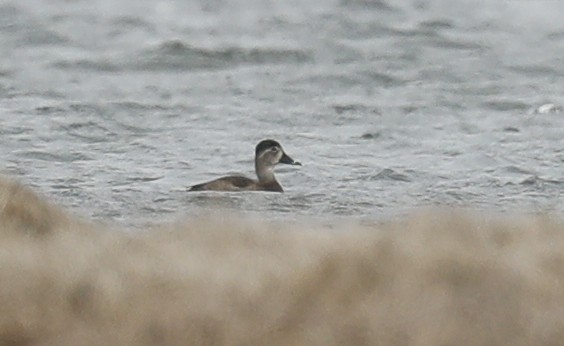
[112, 108]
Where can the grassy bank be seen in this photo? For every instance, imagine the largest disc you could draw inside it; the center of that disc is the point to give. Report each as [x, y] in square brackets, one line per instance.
[439, 278]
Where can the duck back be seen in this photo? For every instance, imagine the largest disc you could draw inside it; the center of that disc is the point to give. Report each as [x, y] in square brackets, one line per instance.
[231, 183]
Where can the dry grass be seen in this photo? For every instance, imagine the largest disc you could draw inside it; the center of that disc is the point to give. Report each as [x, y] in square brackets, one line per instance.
[436, 279]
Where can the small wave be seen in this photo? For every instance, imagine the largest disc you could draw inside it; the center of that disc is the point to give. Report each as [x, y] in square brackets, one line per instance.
[144, 179]
[516, 169]
[15, 130]
[102, 65]
[556, 36]
[82, 108]
[47, 156]
[537, 181]
[173, 55]
[41, 37]
[128, 22]
[546, 108]
[381, 79]
[67, 185]
[355, 108]
[390, 174]
[367, 4]
[447, 43]
[371, 135]
[8, 14]
[340, 80]
[511, 129]
[506, 105]
[536, 70]
[436, 24]
[26, 31]
[6, 73]
[89, 131]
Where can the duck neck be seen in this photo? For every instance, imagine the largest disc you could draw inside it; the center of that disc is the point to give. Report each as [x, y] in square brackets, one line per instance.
[265, 173]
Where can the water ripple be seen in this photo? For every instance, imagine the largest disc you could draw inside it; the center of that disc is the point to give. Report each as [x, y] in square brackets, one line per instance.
[52, 157]
[390, 174]
[174, 55]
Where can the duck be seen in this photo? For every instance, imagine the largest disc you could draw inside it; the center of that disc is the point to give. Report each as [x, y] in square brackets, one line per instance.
[268, 153]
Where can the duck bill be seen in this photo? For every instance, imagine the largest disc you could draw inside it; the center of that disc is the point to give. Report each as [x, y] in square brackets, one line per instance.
[289, 161]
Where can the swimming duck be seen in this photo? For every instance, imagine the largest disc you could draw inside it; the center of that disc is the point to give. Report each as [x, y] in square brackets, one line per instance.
[268, 153]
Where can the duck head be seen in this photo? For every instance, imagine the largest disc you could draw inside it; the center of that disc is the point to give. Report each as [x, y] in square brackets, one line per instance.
[270, 153]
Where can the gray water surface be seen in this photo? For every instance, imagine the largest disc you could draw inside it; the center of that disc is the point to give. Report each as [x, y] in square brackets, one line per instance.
[112, 108]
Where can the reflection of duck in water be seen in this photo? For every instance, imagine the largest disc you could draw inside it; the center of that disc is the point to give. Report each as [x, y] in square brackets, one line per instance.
[268, 154]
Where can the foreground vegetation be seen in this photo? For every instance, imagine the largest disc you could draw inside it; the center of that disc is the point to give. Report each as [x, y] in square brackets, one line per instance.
[438, 278]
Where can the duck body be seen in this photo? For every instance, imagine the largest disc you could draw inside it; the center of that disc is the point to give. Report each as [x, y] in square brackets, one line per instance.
[237, 183]
[268, 153]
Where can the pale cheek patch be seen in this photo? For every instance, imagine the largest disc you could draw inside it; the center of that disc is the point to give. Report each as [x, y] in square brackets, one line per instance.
[261, 155]
[272, 160]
